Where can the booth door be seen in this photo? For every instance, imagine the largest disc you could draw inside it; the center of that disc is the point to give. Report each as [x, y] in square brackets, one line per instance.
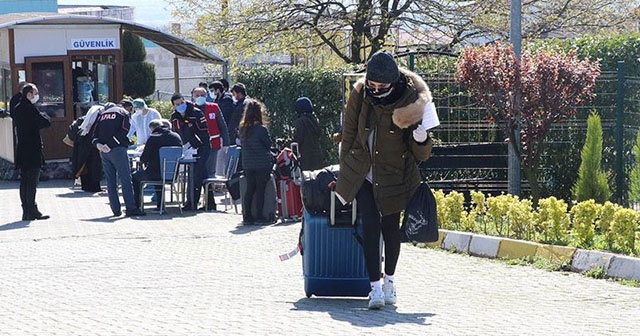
[52, 76]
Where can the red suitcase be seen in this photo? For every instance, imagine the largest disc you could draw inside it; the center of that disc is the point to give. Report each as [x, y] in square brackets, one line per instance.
[290, 200]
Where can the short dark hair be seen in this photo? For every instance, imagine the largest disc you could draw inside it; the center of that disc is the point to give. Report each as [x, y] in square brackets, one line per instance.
[28, 88]
[239, 88]
[202, 84]
[225, 83]
[126, 103]
[217, 86]
[176, 96]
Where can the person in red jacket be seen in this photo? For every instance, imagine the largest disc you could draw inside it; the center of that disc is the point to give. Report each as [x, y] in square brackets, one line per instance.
[218, 134]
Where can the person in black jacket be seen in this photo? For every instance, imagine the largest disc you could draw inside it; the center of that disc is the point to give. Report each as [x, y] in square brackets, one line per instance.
[85, 160]
[110, 138]
[150, 158]
[29, 159]
[308, 135]
[239, 93]
[257, 159]
[223, 98]
[189, 122]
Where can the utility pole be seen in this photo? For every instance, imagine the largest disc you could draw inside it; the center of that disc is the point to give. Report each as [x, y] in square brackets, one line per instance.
[516, 42]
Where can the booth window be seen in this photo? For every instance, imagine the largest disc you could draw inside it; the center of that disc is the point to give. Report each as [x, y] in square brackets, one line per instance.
[49, 78]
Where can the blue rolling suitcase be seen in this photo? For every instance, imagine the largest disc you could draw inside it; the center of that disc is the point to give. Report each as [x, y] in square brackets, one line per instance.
[332, 260]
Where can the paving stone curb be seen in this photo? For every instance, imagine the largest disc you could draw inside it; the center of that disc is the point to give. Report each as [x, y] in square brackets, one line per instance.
[579, 260]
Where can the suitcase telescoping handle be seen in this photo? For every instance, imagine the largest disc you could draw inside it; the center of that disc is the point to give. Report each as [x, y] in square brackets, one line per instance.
[332, 211]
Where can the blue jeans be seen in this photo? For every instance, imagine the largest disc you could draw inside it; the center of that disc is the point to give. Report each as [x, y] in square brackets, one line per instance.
[199, 174]
[116, 166]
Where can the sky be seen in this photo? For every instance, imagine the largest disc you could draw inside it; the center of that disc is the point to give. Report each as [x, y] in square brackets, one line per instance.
[153, 13]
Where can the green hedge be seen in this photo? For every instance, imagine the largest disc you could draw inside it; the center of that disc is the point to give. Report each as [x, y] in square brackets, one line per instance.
[279, 87]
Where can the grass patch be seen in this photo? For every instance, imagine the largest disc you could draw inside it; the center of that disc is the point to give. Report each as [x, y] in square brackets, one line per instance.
[596, 273]
[538, 262]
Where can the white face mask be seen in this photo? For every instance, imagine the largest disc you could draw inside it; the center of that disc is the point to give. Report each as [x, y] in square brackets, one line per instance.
[138, 110]
[212, 95]
[34, 99]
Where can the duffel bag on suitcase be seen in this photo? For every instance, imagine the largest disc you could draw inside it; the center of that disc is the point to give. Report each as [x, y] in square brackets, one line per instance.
[316, 189]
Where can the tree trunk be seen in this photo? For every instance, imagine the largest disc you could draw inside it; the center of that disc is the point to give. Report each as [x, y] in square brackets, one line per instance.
[531, 173]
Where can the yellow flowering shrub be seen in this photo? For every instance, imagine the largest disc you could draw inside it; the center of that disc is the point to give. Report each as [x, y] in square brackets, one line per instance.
[585, 214]
[623, 228]
[552, 220]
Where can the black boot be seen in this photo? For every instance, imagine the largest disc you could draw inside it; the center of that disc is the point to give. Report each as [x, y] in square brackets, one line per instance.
[37, 214]
[26, 214]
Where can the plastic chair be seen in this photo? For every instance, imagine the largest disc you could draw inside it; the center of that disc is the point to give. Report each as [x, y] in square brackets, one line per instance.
[169, 163]
[233, 157]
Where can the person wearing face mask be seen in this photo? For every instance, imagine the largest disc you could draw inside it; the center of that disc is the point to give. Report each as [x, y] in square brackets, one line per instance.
[239, 93]
[140, 120]
[224, 99]
[219, 94]
[29, 159]
[382, 142]
[189, 122]
[218, 134]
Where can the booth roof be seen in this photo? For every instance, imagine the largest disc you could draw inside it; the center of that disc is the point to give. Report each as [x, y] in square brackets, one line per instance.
[180, 47]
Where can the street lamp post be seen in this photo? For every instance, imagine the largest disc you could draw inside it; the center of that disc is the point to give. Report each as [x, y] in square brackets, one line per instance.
[516, 41]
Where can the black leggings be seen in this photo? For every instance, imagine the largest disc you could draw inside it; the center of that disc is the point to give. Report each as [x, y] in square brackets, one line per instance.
[256, 184]
[374, 224]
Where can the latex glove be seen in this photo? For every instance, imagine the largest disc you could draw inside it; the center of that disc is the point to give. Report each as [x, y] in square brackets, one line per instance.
[103, 148]
[420, 134]
[186, 146]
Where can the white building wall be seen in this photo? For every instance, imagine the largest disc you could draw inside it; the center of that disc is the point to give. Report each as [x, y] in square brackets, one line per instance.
[33, 41]
[4, 47]
[191, 73]
[6, 139]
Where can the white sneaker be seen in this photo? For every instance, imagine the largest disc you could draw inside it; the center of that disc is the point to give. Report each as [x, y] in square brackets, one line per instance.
[389, 291]
[376, 299]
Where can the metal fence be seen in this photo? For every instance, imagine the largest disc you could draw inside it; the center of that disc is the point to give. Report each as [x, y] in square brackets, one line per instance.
[617, 101]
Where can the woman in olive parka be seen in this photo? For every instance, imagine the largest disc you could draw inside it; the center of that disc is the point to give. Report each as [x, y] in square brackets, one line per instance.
[382, 142]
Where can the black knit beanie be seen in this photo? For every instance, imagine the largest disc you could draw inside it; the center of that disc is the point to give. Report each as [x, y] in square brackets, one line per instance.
[382, 68]
[304, 106]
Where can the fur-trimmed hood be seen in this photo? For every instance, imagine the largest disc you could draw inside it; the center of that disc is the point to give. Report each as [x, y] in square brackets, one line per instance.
[411, 113]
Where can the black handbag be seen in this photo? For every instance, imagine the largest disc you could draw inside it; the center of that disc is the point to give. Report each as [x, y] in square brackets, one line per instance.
[233, 185]
[420, 222]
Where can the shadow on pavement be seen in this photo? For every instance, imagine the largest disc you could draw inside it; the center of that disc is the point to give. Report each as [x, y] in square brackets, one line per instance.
[78, 194]
[106, 219]
[15, 225]
[355, 312]
[242, 229]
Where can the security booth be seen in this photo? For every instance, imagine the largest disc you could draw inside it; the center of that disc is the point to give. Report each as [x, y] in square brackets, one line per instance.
[76, 62]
